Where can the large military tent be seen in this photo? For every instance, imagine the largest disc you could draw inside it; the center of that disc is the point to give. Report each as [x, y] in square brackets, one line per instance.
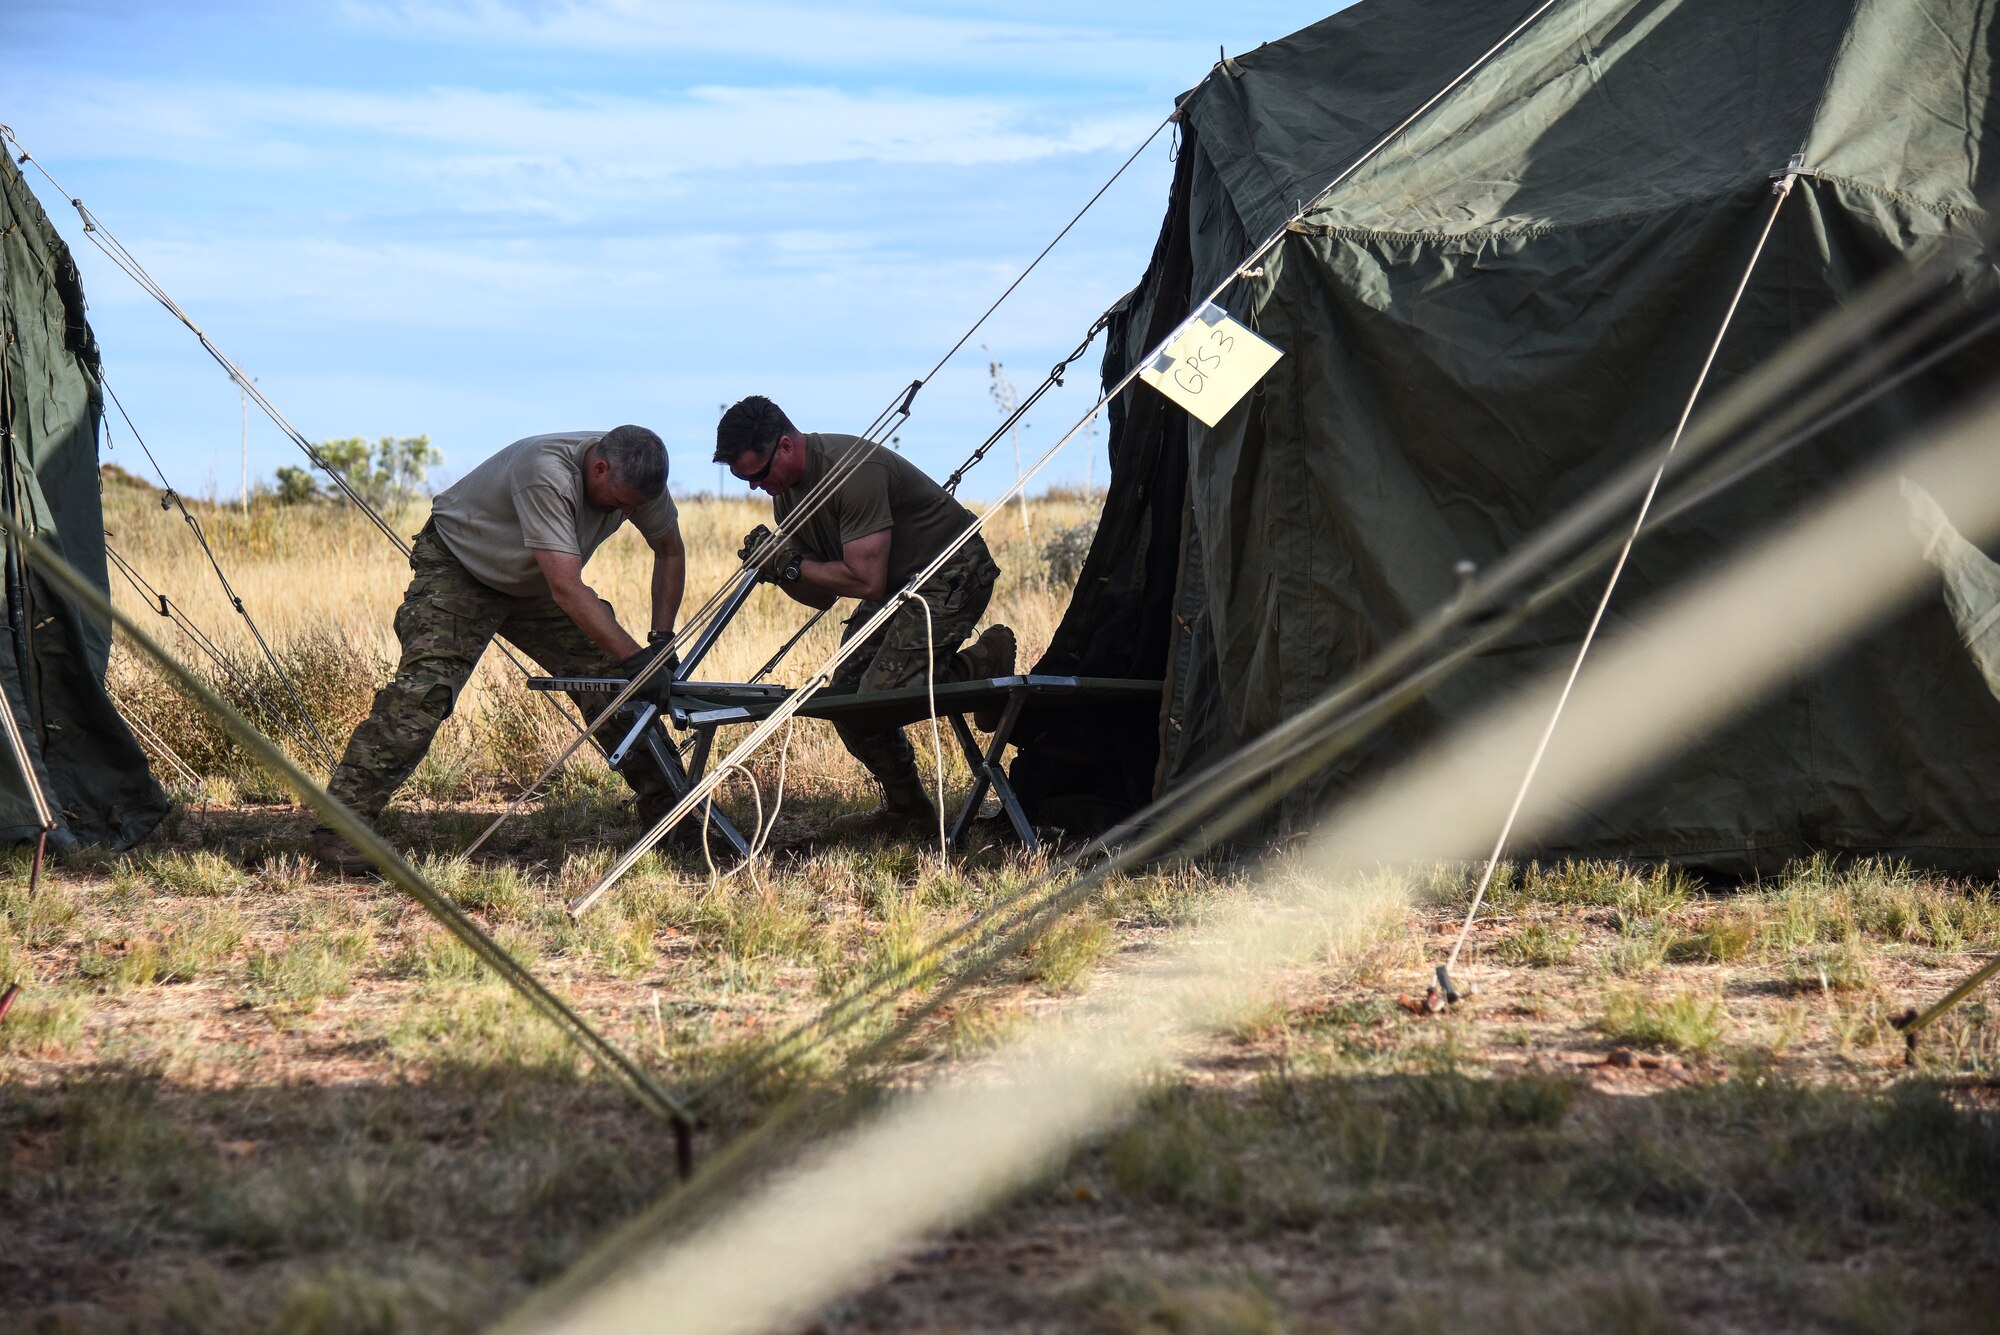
[53, 656]
[1504, 306]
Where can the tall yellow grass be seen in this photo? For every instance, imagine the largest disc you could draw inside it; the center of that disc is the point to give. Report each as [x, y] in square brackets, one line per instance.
[307, 571]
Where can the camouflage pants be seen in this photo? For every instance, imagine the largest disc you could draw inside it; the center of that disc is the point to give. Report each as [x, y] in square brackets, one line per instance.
[894, 655]
[445, 623]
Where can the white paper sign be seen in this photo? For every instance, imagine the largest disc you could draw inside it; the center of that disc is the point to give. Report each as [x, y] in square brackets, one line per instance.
[1214, 363]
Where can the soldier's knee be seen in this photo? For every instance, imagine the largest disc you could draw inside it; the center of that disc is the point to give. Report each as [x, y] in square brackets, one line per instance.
[893, 668]
[426, 698]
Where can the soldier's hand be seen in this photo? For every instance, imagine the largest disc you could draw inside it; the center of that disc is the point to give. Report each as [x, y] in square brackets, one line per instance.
[656, 689]
[753, 542]
[780, 565]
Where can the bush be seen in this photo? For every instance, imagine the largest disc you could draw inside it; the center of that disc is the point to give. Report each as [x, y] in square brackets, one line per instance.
[1064, 551]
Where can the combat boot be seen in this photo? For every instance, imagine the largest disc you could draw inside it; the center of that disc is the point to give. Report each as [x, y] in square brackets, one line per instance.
[991, 655]
[906, 812]
[335, 854]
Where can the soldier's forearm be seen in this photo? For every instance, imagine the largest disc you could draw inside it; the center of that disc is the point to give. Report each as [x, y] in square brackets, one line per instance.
[669, 587]
[593, 617]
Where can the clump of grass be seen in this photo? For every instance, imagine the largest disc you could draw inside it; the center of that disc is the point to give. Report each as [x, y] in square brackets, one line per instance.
[1724, 937]
[296, 978]
[434, 955]
[1061, 958]
[1683, 1022]
[1538, 945]
[1642, 947]
[448, 770]
[1838, 968]
[480, 1029]
[498, 890]
[201, 872]
[342, 1299]
[286, 873]
[179, 948]
[41, 1021]
[39, 920]
[517, 735]
[1143, 1302]
[753, 923]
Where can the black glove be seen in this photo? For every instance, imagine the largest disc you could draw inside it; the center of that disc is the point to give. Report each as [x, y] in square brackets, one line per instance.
[657, 688]
[752, 542]
[781, 566]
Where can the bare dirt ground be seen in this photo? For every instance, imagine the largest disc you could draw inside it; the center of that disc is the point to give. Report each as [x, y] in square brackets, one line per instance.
[236, 1095]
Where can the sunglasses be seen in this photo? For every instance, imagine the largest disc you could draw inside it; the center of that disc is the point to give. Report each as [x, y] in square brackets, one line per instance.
[770, 460]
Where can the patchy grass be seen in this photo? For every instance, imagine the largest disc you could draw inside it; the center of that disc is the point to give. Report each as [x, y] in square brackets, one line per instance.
[239, 1097]
[41, 1022]
[1683, 1022]
[200, 872]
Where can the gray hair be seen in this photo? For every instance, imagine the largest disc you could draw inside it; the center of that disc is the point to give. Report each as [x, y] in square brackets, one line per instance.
[638, 460]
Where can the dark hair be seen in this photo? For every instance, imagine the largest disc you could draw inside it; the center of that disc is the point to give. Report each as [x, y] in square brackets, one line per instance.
[752, 426]
[638, 460]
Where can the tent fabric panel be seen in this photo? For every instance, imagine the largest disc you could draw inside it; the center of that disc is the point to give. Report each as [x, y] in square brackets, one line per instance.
[1909, 108]
[1597, 110]
[53, 657]
[1422, 416]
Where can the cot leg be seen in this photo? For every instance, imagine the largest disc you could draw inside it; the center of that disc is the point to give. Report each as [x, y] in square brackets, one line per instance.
[669, 760]
[986, 772]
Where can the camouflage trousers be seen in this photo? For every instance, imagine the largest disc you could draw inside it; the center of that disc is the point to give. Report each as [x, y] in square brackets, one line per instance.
[445, 623]
[895, 655]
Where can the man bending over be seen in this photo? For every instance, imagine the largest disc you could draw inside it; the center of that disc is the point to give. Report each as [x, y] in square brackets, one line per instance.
[885, 521]
[503, 554]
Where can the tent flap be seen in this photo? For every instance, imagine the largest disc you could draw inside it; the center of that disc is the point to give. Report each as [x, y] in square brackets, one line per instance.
[52, 654]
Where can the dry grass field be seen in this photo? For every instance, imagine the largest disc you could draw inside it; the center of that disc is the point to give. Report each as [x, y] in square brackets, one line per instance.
[237, 1095]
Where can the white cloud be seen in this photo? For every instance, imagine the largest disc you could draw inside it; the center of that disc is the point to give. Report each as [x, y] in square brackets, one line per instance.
[845, 36]
[556, 155]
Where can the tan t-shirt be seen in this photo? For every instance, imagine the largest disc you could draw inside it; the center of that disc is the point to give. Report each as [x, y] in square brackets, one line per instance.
[886, 492]
[530, 495]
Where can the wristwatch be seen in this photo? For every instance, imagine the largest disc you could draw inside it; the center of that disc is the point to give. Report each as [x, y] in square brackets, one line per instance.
[659, 636]
[790, 574]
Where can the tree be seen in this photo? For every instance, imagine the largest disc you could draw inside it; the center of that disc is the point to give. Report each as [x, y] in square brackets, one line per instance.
[386, 474]
[295, 485]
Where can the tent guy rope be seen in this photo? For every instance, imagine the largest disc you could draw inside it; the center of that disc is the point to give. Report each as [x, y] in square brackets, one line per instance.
[819, 679]
[1782, 190]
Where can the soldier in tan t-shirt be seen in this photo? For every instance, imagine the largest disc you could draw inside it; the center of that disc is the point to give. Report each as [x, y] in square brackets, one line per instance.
[884, 521]
[503, 554]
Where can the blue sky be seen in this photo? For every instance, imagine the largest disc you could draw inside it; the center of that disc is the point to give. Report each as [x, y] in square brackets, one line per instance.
[480, 219]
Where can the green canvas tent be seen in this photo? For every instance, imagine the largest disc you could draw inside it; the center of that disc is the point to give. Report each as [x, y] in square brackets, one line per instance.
[53, 656]
[1502, 308]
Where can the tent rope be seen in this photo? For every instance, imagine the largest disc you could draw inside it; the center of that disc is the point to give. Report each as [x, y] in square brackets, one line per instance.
[114, 250]
[171, 497]
[798, 698]
[1053, 380]
[1782, 190]
[206, 645]
[394, 867]
[871, 439]
[1145, 835]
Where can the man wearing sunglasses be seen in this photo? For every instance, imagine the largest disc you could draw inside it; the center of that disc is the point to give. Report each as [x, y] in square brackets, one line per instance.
[503, 554]
[883, 521]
